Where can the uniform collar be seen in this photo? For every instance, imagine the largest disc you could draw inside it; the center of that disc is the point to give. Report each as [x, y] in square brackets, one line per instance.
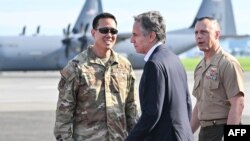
[94, 59]
[214, 60]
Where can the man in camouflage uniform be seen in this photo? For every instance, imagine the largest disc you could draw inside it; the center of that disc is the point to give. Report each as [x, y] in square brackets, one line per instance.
[97, 98]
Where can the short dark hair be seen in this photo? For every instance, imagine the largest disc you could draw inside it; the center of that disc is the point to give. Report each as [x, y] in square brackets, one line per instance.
[212, 20]
[101, 16]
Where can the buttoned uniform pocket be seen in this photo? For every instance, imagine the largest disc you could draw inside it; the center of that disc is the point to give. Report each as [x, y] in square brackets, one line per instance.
[90, 86]
[214, 84]
[216, 91]
[119, 83]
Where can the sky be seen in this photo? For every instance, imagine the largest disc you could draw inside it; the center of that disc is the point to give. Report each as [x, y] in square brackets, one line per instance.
[54, 15]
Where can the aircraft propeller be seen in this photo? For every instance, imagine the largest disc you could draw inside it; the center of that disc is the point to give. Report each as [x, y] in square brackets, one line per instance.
[38, 29]
[81, 42]
[23, 31]
[67, 40]
[83, 39]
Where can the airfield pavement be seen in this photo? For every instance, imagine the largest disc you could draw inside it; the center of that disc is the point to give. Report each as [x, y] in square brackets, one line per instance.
[28, 102]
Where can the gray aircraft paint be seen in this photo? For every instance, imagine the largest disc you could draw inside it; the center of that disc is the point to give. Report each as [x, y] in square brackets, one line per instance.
[24, 53]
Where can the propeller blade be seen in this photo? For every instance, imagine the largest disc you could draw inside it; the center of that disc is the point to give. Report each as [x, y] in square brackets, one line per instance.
[68, 30]
[67, 43]
[86, 29]
[23, 31]
[38, 29]
[84, 42]
[67, 40]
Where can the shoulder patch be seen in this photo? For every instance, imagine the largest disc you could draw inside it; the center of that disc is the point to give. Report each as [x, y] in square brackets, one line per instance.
[69, 71]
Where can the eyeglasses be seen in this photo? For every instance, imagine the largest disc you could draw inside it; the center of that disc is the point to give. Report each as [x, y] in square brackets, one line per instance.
[105, 30]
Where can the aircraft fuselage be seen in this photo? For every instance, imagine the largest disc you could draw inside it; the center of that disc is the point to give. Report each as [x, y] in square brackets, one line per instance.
[31, 53]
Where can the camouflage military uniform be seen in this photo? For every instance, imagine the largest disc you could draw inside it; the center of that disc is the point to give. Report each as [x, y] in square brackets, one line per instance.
[96, 102]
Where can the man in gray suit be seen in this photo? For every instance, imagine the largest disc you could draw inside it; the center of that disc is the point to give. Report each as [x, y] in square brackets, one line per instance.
[163, 91]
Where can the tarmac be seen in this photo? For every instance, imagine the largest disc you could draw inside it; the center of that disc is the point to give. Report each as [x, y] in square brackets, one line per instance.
[28, 103]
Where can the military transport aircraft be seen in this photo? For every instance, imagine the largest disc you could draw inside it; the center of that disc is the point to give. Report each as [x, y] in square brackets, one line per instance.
[25, 53]
[182, 40]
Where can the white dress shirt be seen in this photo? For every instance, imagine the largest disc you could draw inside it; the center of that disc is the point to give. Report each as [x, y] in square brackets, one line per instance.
[151, 51]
